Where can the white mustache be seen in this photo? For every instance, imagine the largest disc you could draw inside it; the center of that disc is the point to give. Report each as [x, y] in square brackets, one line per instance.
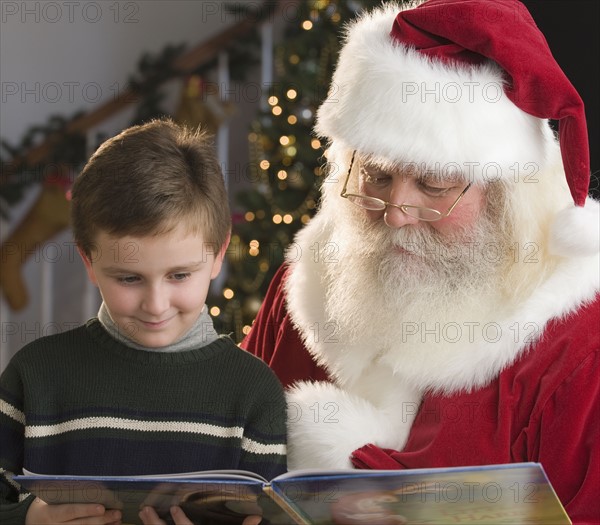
[422, 242]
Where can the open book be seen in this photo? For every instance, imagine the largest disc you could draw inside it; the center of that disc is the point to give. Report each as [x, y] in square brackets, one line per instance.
[492, 494]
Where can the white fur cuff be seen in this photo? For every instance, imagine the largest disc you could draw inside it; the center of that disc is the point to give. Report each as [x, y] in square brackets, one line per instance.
[326, 424]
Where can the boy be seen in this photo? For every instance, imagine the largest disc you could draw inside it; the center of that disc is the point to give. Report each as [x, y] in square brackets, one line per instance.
[148, 387]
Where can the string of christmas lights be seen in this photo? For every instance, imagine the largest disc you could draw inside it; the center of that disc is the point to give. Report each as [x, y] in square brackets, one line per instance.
[286, 161]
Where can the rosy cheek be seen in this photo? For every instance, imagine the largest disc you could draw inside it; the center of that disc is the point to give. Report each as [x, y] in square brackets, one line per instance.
[460, 218]
[447, 224]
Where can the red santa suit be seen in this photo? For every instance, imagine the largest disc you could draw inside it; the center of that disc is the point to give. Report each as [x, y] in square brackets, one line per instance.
[544, 407]
[523, 386]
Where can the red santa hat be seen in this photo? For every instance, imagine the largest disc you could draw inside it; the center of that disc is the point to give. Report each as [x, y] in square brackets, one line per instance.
[467, 85]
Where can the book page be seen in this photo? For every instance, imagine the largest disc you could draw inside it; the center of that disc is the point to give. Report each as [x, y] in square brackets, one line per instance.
[203, 474]
[484, 495]
[218, 496]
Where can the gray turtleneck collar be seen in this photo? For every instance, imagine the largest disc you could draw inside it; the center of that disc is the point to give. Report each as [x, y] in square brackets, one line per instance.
[201, 334]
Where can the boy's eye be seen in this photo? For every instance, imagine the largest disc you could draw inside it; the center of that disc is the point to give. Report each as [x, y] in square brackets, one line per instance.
[128, 279]
[180, 276]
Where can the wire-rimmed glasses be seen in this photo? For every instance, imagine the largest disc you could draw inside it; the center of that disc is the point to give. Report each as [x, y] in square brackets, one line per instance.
[376, 204]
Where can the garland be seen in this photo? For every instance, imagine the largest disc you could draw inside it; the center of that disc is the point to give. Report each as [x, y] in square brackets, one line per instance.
[17, 173]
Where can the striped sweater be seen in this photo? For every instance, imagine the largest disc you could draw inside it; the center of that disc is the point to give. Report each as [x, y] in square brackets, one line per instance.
[82, 403]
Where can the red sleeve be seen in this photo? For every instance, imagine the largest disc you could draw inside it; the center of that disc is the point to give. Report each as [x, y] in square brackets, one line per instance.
[372, 457]
[563, 435]
[261, 340]
[276, 341]
[569, 443]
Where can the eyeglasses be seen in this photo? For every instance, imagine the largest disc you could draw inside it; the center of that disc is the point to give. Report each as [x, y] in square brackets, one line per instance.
[375, 204]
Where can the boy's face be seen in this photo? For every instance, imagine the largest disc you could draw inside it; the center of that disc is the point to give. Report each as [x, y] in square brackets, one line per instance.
[154, 287]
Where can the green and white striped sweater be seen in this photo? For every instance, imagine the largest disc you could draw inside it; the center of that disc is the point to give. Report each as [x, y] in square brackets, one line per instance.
[83, 403]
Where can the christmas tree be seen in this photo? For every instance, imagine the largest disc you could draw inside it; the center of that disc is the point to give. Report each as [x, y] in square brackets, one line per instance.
[286, 160]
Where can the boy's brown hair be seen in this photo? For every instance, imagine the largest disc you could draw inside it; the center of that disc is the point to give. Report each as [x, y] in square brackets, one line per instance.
[147, 180]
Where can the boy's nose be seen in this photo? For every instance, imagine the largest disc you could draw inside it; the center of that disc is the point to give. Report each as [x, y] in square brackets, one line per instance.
[155, 301]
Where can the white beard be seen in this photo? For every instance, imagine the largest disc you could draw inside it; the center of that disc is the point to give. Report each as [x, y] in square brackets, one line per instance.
[390, 325]
[392, 322]
[412, 291]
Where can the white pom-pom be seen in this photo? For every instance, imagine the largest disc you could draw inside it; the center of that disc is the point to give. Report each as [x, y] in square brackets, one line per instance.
[576, 231]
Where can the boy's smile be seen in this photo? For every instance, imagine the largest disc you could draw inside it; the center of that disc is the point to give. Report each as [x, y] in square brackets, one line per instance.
[154, 287]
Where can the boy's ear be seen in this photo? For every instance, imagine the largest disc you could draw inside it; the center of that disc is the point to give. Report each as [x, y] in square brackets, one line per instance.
[225, 245]
[88, 266]
[218, 263]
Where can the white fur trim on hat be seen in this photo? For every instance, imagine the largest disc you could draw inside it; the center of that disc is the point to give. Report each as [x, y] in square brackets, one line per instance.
[392, 102]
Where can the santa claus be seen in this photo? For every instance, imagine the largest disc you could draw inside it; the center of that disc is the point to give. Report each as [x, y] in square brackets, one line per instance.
[442, 307]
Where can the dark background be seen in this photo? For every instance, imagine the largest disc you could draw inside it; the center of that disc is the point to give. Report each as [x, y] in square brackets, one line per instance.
[572, 30]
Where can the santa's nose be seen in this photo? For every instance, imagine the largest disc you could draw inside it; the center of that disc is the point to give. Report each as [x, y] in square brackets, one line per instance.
[395, 217]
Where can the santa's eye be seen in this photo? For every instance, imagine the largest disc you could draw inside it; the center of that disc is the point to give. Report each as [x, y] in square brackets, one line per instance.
[434, 190]
[375, 176]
